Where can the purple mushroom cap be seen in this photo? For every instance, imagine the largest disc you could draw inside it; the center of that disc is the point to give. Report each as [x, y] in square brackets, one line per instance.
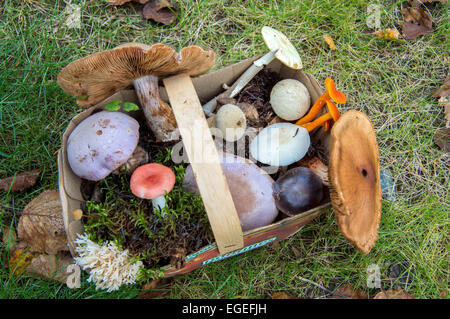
[101, 143]
[250, 187]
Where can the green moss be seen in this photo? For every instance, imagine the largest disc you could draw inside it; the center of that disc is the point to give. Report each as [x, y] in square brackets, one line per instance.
[151, 236]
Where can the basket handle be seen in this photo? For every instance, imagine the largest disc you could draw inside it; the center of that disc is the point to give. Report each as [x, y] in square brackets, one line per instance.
[205, 162]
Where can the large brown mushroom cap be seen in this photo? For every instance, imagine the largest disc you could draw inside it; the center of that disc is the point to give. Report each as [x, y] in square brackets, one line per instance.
[101, 74]
[355, 179]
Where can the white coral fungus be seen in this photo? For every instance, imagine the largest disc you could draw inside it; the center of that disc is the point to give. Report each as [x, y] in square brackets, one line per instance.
[109, 267]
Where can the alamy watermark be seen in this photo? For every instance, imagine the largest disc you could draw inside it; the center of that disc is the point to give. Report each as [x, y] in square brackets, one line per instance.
[373, 19]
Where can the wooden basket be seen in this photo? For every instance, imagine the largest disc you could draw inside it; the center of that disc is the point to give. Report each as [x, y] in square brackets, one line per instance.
[185, 97]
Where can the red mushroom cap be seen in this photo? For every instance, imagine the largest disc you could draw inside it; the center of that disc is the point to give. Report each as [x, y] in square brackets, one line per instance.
[152, 180]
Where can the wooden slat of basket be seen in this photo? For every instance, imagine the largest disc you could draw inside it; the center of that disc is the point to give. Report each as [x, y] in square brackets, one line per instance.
[204, 158]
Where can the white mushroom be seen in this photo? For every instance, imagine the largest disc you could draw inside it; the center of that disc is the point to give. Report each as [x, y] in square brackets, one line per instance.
[280, 144]
[231, 121]
[280, 48]
[290, 99]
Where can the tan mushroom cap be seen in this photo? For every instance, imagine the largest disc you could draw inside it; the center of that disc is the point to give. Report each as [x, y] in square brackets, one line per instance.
[101, 74]
[354, 176]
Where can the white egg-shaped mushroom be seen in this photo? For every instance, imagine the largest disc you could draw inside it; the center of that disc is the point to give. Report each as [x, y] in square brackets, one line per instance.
[101, 143]
[231, 121]
[290, 99]
[280, 144]
[251, 189]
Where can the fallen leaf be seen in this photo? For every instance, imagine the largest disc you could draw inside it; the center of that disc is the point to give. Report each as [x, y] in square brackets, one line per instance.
[329, 41]
[443, 90]
[419, 2]
[442, 139]
[160, 11]
[19, 260]
[283, 295]
[387, 34]
[155, 288]
[21, 181]
[9, 237]
[121, 2]
[41, 225]
[296, 252]
[349, 291]
[50, 267]
[445, 102]
[417, 22]
[393, 294]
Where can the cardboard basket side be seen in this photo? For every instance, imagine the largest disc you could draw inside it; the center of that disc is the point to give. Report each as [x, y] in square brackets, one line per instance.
[206, 86]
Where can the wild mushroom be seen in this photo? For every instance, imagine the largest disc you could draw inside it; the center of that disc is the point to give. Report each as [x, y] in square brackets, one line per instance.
[354, 176]
[290, 99]
[331, 93]
[231, 121]
[138, 158]
[101, 143]
[280, 48]
[101, 74]
[324, 120]
[280, 144]
[319, 168]
[152, 181]
[297, 191]
[250, 187]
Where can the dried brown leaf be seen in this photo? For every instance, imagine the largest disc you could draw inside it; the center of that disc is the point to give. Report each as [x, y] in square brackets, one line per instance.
[349, 291]
[155, 288]
[9, 237]
[443, 90]
[445, 102]
[20, 259]
[50, 266]
[393, 294]
[442, 139]
[160, 11]
[122, 2]
[41, 225]
[329, 40]
[417, 22]
[283, 295]
[21, 181]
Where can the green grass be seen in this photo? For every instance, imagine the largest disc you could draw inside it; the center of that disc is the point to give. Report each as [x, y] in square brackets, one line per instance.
[389, 81]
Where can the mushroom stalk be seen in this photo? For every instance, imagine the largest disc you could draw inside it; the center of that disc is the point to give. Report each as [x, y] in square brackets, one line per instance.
[241, 82]
[159, 203]
[159, 115]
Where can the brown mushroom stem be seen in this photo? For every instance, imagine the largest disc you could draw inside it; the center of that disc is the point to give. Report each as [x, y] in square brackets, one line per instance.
[159, 115]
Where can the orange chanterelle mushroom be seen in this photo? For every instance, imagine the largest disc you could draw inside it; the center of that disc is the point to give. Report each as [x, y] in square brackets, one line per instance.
[333, 114]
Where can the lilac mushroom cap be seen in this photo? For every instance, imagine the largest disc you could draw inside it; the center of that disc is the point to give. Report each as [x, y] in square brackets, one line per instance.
[250, 187]
[101, 143]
